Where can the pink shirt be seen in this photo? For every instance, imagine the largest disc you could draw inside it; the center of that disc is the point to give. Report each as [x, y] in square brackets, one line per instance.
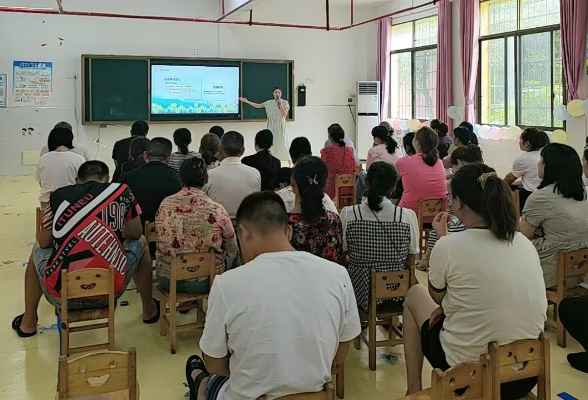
[420, 181]
[379, 153]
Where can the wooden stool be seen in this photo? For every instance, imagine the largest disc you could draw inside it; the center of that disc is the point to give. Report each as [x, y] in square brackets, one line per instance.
[99, 373]
[383, 285]
[326, 394]
[428, 208]
[341, 182]
[533, 358]
[185, 267]
[82, 284]
[474, 377]
[571, 263]
[339, 372]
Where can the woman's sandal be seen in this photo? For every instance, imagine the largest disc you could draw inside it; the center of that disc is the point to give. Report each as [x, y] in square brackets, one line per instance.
[16, 326]
[195, 363]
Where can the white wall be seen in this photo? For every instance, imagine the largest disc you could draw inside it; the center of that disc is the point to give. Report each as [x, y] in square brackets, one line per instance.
[329, 63]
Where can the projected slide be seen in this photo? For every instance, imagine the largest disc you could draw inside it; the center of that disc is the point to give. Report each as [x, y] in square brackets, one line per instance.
[194, 89]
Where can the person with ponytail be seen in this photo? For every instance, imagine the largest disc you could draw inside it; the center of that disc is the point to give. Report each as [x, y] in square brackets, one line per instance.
[263, 160]
[559, 208]
[423, 175]
[444, 141]
[377, 234]
[485, 284]
[385, 147]
[209, 146]
[314, 229]
[339, 159]
[461, 138]
[182, 139]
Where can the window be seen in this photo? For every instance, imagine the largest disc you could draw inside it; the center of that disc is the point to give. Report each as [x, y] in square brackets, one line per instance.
[521, 75]
[413, 69]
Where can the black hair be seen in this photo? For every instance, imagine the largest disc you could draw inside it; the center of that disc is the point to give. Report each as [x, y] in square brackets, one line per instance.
[282, 176]
[278, 88]
[159, 149]
[92, 169]
[310, 174]
[463, 134]
[563, 168]
[193, 172]
[337, 133]
[60, 137]
[209, 145]
[264, 212]
[385, 136]
[428, 141]
[407, 144]
[217, 130]
[381, 180]
[488, 196]
[264, 139]
[182, 138]
[138, 146]
[140, 128]
[233, 143]
[468, 154]
[65, 125]
[299, 147]
[536, 138]
[388, 126]
[470, 127]
[440, 126]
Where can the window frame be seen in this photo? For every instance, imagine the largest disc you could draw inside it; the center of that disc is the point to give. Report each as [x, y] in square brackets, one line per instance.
[413, 50]
[518, 35]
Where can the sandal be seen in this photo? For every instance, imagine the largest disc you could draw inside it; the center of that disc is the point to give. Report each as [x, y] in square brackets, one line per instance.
[16, 326]
[195, 363]
[156, 318]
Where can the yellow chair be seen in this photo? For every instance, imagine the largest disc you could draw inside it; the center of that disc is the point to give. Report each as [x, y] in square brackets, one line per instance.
[341, 182]
[428, 209]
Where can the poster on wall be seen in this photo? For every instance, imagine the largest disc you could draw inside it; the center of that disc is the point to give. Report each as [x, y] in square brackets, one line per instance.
[32, 84]
[2, 90]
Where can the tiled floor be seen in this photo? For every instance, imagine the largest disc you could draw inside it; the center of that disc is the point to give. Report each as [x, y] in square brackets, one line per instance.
[28, 367]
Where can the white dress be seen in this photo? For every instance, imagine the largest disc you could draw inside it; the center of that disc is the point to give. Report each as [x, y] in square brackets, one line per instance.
[276, 123]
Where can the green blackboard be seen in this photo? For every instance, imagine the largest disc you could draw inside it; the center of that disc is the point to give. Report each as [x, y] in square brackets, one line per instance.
[116, 88]
[258, 82]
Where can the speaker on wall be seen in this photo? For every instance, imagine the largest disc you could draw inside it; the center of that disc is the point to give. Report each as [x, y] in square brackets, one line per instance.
[301, 90]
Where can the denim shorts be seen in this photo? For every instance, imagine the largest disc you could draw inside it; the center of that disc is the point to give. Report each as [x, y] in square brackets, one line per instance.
[134, 252]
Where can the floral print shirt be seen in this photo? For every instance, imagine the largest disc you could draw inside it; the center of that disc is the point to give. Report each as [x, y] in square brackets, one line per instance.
[191, 222]
[323, 237]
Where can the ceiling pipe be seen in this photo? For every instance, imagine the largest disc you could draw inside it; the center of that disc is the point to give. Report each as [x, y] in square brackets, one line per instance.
[60, 6]
[352, 8]
[388, 15]
[226, 14]
[328, 15]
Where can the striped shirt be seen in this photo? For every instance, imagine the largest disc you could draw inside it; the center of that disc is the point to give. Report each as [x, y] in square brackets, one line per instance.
[178, 158]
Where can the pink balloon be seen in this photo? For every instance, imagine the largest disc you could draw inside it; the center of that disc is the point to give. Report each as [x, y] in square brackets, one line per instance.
[494, 133]
[396, 124]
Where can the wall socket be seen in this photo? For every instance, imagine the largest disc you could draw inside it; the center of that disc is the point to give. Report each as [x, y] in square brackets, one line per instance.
[71, 75]
[99, 143]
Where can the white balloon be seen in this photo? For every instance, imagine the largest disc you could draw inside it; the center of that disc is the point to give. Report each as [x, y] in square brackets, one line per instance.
[561, 113]
[452, 112]
[585, 106]
[403, 125]
[460, 112]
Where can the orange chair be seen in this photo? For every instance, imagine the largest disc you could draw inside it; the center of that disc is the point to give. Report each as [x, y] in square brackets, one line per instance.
[341, 182]
[428, 209]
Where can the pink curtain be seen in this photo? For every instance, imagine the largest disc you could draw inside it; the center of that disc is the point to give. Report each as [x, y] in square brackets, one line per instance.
[444, 98]
[573, 42]
[383, 66]
[469, 34]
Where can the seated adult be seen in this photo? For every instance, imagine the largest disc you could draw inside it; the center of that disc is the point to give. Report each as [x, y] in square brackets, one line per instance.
[461, 138]
[348, 142]
[78, 148]
[120, 151]
[487, 280]
[409, 150]
[190, 222]
[137, 157]
[155, 180]
[532, 140]
[281, 179]
[217, 130]
[300, 148]
[573, 313]
[209, 145]
[263, 160]
[59, 167]
[182, 139]
[423, 175]
[276, 325]
[80, 231]
[232, 181]
[385, 147]
[339, 158]
[377, 234]
[314, 229]
[558, 208]
[470, 128]
[444, 141]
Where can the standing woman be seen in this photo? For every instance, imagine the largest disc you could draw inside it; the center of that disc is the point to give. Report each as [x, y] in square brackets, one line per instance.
[277, 112]
[182, 139]
[263, 161]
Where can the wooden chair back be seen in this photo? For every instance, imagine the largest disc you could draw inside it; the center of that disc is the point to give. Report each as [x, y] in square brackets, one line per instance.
[572, 263]
[428, 209]
[345, 181]
[473, 377]
[98, 373]
[150, 232]
[326, 394]
[87, 282]
[516, 199]
[193, 266]
[521, 360]
[387, 285]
